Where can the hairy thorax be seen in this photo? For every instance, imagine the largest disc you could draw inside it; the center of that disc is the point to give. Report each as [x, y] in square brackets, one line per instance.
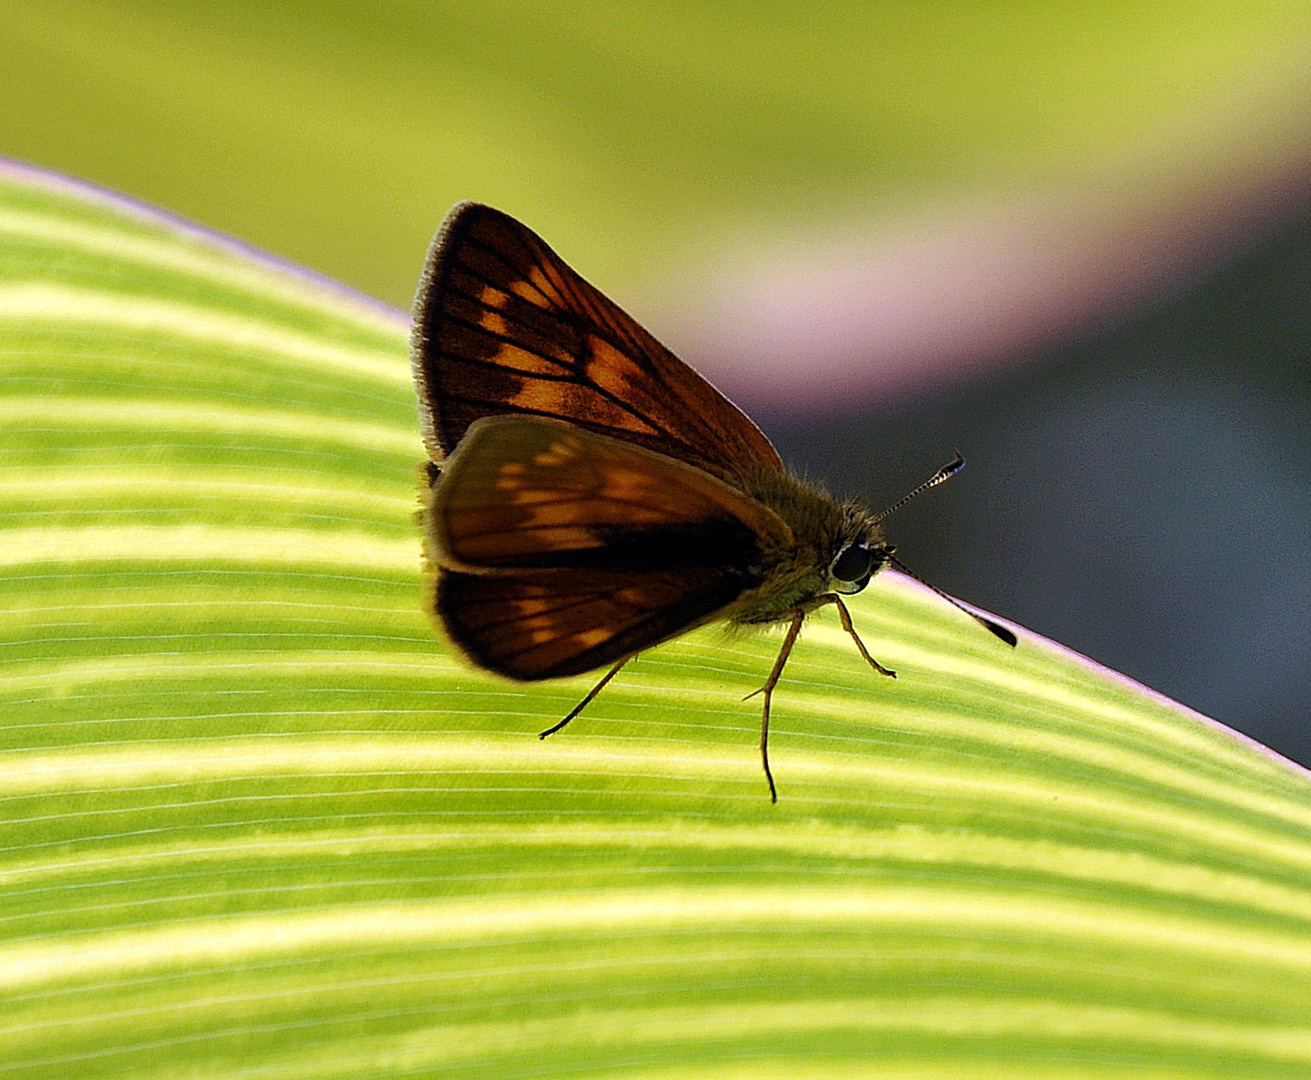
[822, 527]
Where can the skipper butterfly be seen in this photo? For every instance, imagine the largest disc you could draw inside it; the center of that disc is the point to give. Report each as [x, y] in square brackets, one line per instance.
[588, 494]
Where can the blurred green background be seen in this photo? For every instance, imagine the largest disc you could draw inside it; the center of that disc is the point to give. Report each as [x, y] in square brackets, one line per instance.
[1137, 438]
[629, 134]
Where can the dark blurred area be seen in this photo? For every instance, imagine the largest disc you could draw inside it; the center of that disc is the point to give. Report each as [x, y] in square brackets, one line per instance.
[1140, 495]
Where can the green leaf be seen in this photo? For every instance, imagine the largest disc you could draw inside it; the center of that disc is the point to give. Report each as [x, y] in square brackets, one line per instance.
[259, 822]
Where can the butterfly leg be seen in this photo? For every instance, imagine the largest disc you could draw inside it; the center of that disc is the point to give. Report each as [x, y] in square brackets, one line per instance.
[587, 700]
[798, 617]
[844, 617]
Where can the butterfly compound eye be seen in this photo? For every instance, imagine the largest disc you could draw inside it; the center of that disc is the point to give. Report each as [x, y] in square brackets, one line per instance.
[852, 569]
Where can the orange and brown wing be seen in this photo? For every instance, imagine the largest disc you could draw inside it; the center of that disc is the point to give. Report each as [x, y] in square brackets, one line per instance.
[561, 550]
[524, 493]
[550, 623]
[503, 326]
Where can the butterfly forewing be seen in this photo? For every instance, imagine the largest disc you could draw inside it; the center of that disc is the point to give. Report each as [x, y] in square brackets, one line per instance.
[504, 326]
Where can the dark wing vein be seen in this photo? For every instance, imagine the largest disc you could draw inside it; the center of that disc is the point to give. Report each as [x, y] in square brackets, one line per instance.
[496, 409]
[561, 378]
[497, 613]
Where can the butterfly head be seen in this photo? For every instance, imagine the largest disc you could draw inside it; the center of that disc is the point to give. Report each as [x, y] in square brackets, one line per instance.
[857, 560]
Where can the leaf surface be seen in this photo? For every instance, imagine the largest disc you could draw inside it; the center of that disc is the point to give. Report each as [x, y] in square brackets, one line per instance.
[258, 821]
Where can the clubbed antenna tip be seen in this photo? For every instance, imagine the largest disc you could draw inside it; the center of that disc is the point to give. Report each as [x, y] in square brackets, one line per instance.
[943, 474]
[992, 627]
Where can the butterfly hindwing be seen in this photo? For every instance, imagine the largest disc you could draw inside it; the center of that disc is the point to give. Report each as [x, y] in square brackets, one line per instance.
[550, 623]
[561, 549]
[503, 326]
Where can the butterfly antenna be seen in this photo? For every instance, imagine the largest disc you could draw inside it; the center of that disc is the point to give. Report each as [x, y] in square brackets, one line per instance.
[941, 476]
[987, 624]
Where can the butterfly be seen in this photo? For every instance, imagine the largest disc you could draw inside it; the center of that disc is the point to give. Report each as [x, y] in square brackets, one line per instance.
[589, 495]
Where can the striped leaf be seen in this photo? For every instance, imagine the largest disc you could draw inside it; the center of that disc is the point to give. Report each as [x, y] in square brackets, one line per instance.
[257, 821]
